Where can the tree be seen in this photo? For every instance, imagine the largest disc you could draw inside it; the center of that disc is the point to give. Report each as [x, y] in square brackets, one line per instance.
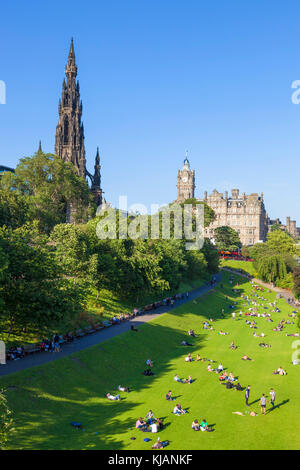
[33, 290]
[271, 268]
[227, 239]
[48, 184]
[6, 421]
[72, 249]
[275, 226]
[14, 209]
[281, 242]
[296, 279]
[245, 252]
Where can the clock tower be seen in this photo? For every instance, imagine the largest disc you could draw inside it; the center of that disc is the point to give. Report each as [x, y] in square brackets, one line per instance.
[185, 182]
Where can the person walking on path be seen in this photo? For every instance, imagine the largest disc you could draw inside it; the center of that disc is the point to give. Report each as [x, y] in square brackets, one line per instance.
[247, 394]
[272, 393]
[263, 402]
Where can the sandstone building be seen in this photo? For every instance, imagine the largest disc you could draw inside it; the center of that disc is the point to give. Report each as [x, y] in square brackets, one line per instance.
[69, 140]
[244, 213]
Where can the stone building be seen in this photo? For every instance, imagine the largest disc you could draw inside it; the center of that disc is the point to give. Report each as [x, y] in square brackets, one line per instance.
[185, 182]
[244, 213]
[69, 140]
[290, 226]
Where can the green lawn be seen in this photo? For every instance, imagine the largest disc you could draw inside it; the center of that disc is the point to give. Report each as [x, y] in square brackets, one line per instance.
[46, 399]
[246, 266]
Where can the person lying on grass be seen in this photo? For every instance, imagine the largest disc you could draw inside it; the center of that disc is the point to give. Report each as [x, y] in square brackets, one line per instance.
[246, 358]
[158, 444]
[184, 343]
[112, 397]
[177, 379]
[222, 333]
[178, 410]
[264, 345]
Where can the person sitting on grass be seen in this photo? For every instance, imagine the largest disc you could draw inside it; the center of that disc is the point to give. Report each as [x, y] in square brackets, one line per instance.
[150, 418]
[233, 346]
[238, 387]
[169, 396]
[112, 397]
[160, 424]
[178, 410]
[204, 425]
[192, 333]
[188, 358]
[231, 377]
[279, 371]
[141, 424]
[189, 380]
[196, 425]
[220, 367]
[132, 327]
[246, 358]
[123, 389]
[198, 358]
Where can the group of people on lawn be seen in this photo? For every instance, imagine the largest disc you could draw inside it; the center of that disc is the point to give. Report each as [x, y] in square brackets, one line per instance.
[152, 424]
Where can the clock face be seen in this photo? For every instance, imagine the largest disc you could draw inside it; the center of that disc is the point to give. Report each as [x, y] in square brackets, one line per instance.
[184, 180]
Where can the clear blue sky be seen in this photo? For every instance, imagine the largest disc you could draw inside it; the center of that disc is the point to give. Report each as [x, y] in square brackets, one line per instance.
[158, 77]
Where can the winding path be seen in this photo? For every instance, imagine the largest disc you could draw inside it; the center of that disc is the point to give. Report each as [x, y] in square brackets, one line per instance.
[38, 359]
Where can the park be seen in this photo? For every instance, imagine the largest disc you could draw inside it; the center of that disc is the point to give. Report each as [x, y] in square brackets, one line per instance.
[47, 399]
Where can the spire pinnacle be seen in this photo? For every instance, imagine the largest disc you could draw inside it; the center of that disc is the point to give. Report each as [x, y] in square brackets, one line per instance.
[72, 53]
[40, 147]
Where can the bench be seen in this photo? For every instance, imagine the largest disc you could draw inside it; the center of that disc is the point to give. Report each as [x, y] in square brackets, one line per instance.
[31, 348]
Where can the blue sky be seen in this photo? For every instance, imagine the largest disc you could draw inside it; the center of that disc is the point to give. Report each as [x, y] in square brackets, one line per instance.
[156, 78]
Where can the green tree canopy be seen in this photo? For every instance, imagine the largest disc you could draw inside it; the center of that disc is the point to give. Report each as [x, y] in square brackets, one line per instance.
[227, 239]
[47, 185]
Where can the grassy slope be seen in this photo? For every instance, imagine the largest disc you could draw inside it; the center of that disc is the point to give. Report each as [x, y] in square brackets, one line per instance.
[246, 266]
[109, 304]
[46, 399]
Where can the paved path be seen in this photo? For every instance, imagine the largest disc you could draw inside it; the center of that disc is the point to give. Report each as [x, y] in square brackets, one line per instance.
[38, 359]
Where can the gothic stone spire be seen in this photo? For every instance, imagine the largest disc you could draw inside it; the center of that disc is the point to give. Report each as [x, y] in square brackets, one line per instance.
[69, 142]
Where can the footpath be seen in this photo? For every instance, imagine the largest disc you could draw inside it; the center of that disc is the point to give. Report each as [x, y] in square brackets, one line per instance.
[39, 359]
